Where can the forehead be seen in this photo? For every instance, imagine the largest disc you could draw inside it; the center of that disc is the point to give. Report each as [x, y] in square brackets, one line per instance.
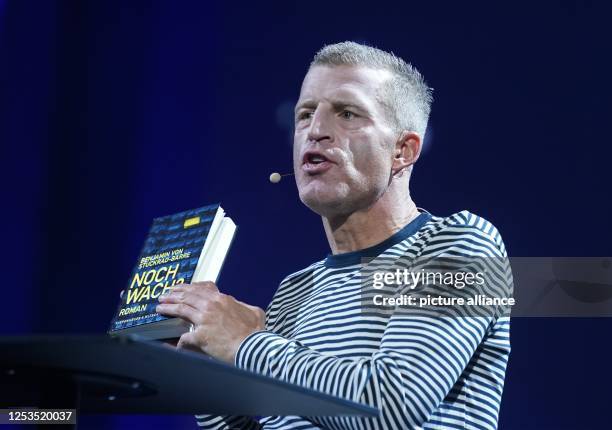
[358, 82]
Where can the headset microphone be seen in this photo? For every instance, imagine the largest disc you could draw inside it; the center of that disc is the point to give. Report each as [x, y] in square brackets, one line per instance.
[276, 177]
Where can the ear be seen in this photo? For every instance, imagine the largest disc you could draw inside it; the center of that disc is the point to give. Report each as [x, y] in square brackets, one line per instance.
[406, 152]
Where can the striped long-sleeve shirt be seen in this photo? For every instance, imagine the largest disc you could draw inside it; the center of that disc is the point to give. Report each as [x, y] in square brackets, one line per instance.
[422, 372]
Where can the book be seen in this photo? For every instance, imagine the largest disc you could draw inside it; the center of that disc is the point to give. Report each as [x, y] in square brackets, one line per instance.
[183, 248]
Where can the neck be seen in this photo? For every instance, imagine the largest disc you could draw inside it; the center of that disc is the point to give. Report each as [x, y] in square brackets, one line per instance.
[370, 226]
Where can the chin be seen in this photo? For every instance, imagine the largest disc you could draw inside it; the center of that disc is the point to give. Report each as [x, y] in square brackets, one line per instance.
[339, 198]
[325, 200]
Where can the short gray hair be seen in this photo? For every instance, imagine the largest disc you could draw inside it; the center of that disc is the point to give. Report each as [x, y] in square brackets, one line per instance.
[406, 97]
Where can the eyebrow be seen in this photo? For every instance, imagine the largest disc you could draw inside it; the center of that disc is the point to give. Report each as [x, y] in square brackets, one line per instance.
[337, 105]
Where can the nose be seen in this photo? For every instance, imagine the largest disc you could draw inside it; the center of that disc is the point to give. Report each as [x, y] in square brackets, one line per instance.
[321, 126]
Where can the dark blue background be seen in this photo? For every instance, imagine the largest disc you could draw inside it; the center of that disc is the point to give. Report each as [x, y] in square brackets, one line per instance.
[112, 113]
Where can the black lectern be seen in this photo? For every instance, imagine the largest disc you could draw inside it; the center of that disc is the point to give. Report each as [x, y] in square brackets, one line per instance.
[100, 374]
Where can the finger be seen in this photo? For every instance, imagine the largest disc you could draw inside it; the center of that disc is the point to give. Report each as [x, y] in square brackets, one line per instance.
[200, 289]
[177, 295]
[190, 342]
[206, 290]
[179, 310]
[208, 285]
[189, 298]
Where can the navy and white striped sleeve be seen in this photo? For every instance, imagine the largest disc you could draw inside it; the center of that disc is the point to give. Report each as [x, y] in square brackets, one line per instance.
[224, 422]
[419, 360]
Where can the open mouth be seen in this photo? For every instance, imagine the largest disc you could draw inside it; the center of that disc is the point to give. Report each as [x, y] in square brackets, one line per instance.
[316, 159]
[312, 157]
[315, 162]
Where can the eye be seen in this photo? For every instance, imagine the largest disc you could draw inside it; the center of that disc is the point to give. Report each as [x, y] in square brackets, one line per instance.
[304, 115]
[347, 114]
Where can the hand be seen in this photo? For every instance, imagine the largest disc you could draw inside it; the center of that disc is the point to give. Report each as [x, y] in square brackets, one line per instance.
[221, 322]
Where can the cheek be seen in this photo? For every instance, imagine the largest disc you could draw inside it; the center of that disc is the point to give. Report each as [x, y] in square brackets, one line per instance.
[370, 161]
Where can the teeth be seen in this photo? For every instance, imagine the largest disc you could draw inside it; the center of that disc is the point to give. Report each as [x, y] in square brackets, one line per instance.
[317, 159]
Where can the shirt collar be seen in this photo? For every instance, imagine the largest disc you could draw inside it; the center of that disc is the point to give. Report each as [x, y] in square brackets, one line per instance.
[355, 257]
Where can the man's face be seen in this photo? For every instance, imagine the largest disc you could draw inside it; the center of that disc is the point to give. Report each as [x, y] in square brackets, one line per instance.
[343, 142]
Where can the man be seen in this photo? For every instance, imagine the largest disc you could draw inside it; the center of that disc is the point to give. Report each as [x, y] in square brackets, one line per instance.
[359, 125]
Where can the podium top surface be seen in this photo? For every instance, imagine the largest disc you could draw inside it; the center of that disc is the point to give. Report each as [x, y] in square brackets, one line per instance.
[129, 375]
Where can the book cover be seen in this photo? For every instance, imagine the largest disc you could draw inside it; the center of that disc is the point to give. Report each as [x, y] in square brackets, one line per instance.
[172, 252]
